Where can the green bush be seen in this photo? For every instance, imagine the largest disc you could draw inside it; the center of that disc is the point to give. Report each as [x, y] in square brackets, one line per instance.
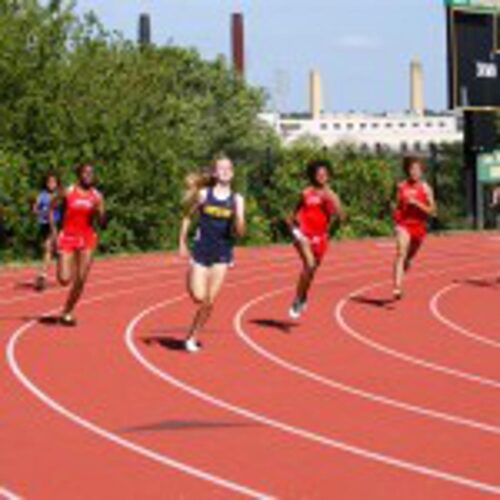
[72, 93]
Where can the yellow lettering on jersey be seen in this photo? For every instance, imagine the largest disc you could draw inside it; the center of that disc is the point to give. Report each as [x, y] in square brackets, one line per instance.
[217, 212]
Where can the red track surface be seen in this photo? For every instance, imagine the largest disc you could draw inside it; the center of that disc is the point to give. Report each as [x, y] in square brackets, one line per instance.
[361, 399]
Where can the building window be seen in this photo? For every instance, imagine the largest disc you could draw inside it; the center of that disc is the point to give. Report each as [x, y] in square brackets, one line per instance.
[428, 125]
[416, 124]
[362, 126]
[388, 125]
[402, 125]
[418, 146]
[324, 126]
[442, 124]
[337, 126]
[350, 126]
[375, 125]
[404, 147]
[290, 127]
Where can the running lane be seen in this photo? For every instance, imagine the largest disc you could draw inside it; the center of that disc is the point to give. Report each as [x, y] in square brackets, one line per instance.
[282, 435]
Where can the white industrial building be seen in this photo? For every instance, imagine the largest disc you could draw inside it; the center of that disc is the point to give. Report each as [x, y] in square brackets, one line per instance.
[415, 130]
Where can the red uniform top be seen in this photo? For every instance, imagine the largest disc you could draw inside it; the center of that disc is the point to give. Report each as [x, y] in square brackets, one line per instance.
[80, 207]
[410, 216]
[315, 213]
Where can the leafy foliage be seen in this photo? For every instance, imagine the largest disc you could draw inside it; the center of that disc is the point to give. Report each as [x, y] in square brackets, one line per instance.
[146, 116]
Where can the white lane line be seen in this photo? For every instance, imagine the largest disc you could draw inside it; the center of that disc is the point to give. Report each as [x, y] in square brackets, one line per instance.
[115, 438]
[44, 397]
[290, 429]
[407, 358]
[461, 330]
[6, 494]
[122, 279]
[355, 391]
[58, 408]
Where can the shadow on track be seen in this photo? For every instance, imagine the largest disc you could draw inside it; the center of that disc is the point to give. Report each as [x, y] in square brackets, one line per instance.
[169, 343]
[275, 324]
[186, 425]
[374, 302]
[480, 283]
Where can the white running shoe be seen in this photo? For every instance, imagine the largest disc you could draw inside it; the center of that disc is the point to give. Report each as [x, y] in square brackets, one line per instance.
[298, 307]
[192, 346]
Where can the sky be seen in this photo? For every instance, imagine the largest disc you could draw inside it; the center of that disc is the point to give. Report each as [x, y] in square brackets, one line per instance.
[362, 48]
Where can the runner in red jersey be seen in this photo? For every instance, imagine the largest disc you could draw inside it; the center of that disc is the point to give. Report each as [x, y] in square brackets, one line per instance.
[415, 205]
[310, 228]
[83, 204]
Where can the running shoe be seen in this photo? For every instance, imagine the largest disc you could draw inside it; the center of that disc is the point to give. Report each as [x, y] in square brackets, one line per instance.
[192, 346]
[40, 283]
[67, 320]
[298, 307]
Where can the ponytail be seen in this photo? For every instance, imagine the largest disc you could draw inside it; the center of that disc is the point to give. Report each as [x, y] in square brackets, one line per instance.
[194, 183]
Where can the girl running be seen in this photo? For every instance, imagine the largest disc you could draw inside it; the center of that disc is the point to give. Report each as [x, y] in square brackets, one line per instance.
[415, 205]
[47, 226]
[310, 228]
[83, 204]
[221, 218]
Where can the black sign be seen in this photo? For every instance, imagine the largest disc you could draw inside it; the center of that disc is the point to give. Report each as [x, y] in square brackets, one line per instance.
[474, 59]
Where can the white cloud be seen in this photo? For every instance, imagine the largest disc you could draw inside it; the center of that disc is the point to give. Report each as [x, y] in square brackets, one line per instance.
[357, 42]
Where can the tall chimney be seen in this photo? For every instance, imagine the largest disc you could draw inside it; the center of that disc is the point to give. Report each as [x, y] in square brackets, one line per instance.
[417, 104]
[238, 43]
[144, 30]
[315, 98]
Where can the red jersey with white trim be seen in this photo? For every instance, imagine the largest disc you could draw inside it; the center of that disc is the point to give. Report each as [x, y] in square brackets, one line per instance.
[315, 213]
[407, 214]
[80, 207]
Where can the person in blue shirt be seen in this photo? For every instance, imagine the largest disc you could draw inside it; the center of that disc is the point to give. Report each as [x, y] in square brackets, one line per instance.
[221, 218]
[49, 220]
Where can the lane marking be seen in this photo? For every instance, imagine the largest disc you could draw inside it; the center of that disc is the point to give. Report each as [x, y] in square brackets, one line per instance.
[114, 438]
[335, 384]
[290, 429]
[8, 495]
[120, 279]
[46, 399]
[407, 358]
[461, 330]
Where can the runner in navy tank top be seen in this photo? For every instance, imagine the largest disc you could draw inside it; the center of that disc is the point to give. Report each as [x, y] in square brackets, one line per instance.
[214, 240]
[221, 219]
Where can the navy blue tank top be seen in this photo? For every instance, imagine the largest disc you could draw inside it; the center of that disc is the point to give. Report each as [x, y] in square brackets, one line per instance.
[215, 227]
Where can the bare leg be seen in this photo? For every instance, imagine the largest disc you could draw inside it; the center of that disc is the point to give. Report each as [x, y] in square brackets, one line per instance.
[198, 278]
[204, 286]
[83, 261]
[402, 252]
[41, 279]
[66, 269]
[414, 248]
[47, 256]
[310, 266]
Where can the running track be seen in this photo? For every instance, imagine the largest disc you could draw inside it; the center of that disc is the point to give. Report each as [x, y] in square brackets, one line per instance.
[362, 399]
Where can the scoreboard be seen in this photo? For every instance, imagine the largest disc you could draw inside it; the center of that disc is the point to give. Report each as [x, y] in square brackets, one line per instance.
[474, 54]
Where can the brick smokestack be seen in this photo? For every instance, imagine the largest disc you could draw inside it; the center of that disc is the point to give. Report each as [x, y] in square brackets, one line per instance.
[144, 30]
[238, 43]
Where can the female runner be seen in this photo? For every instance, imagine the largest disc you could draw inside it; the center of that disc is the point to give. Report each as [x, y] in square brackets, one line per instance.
[83, 204]
[47, 226]
[221, 218]
[415, 205]
[310, 228]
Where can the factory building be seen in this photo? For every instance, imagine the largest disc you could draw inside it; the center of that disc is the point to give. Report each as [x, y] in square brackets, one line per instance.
[415, 130]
